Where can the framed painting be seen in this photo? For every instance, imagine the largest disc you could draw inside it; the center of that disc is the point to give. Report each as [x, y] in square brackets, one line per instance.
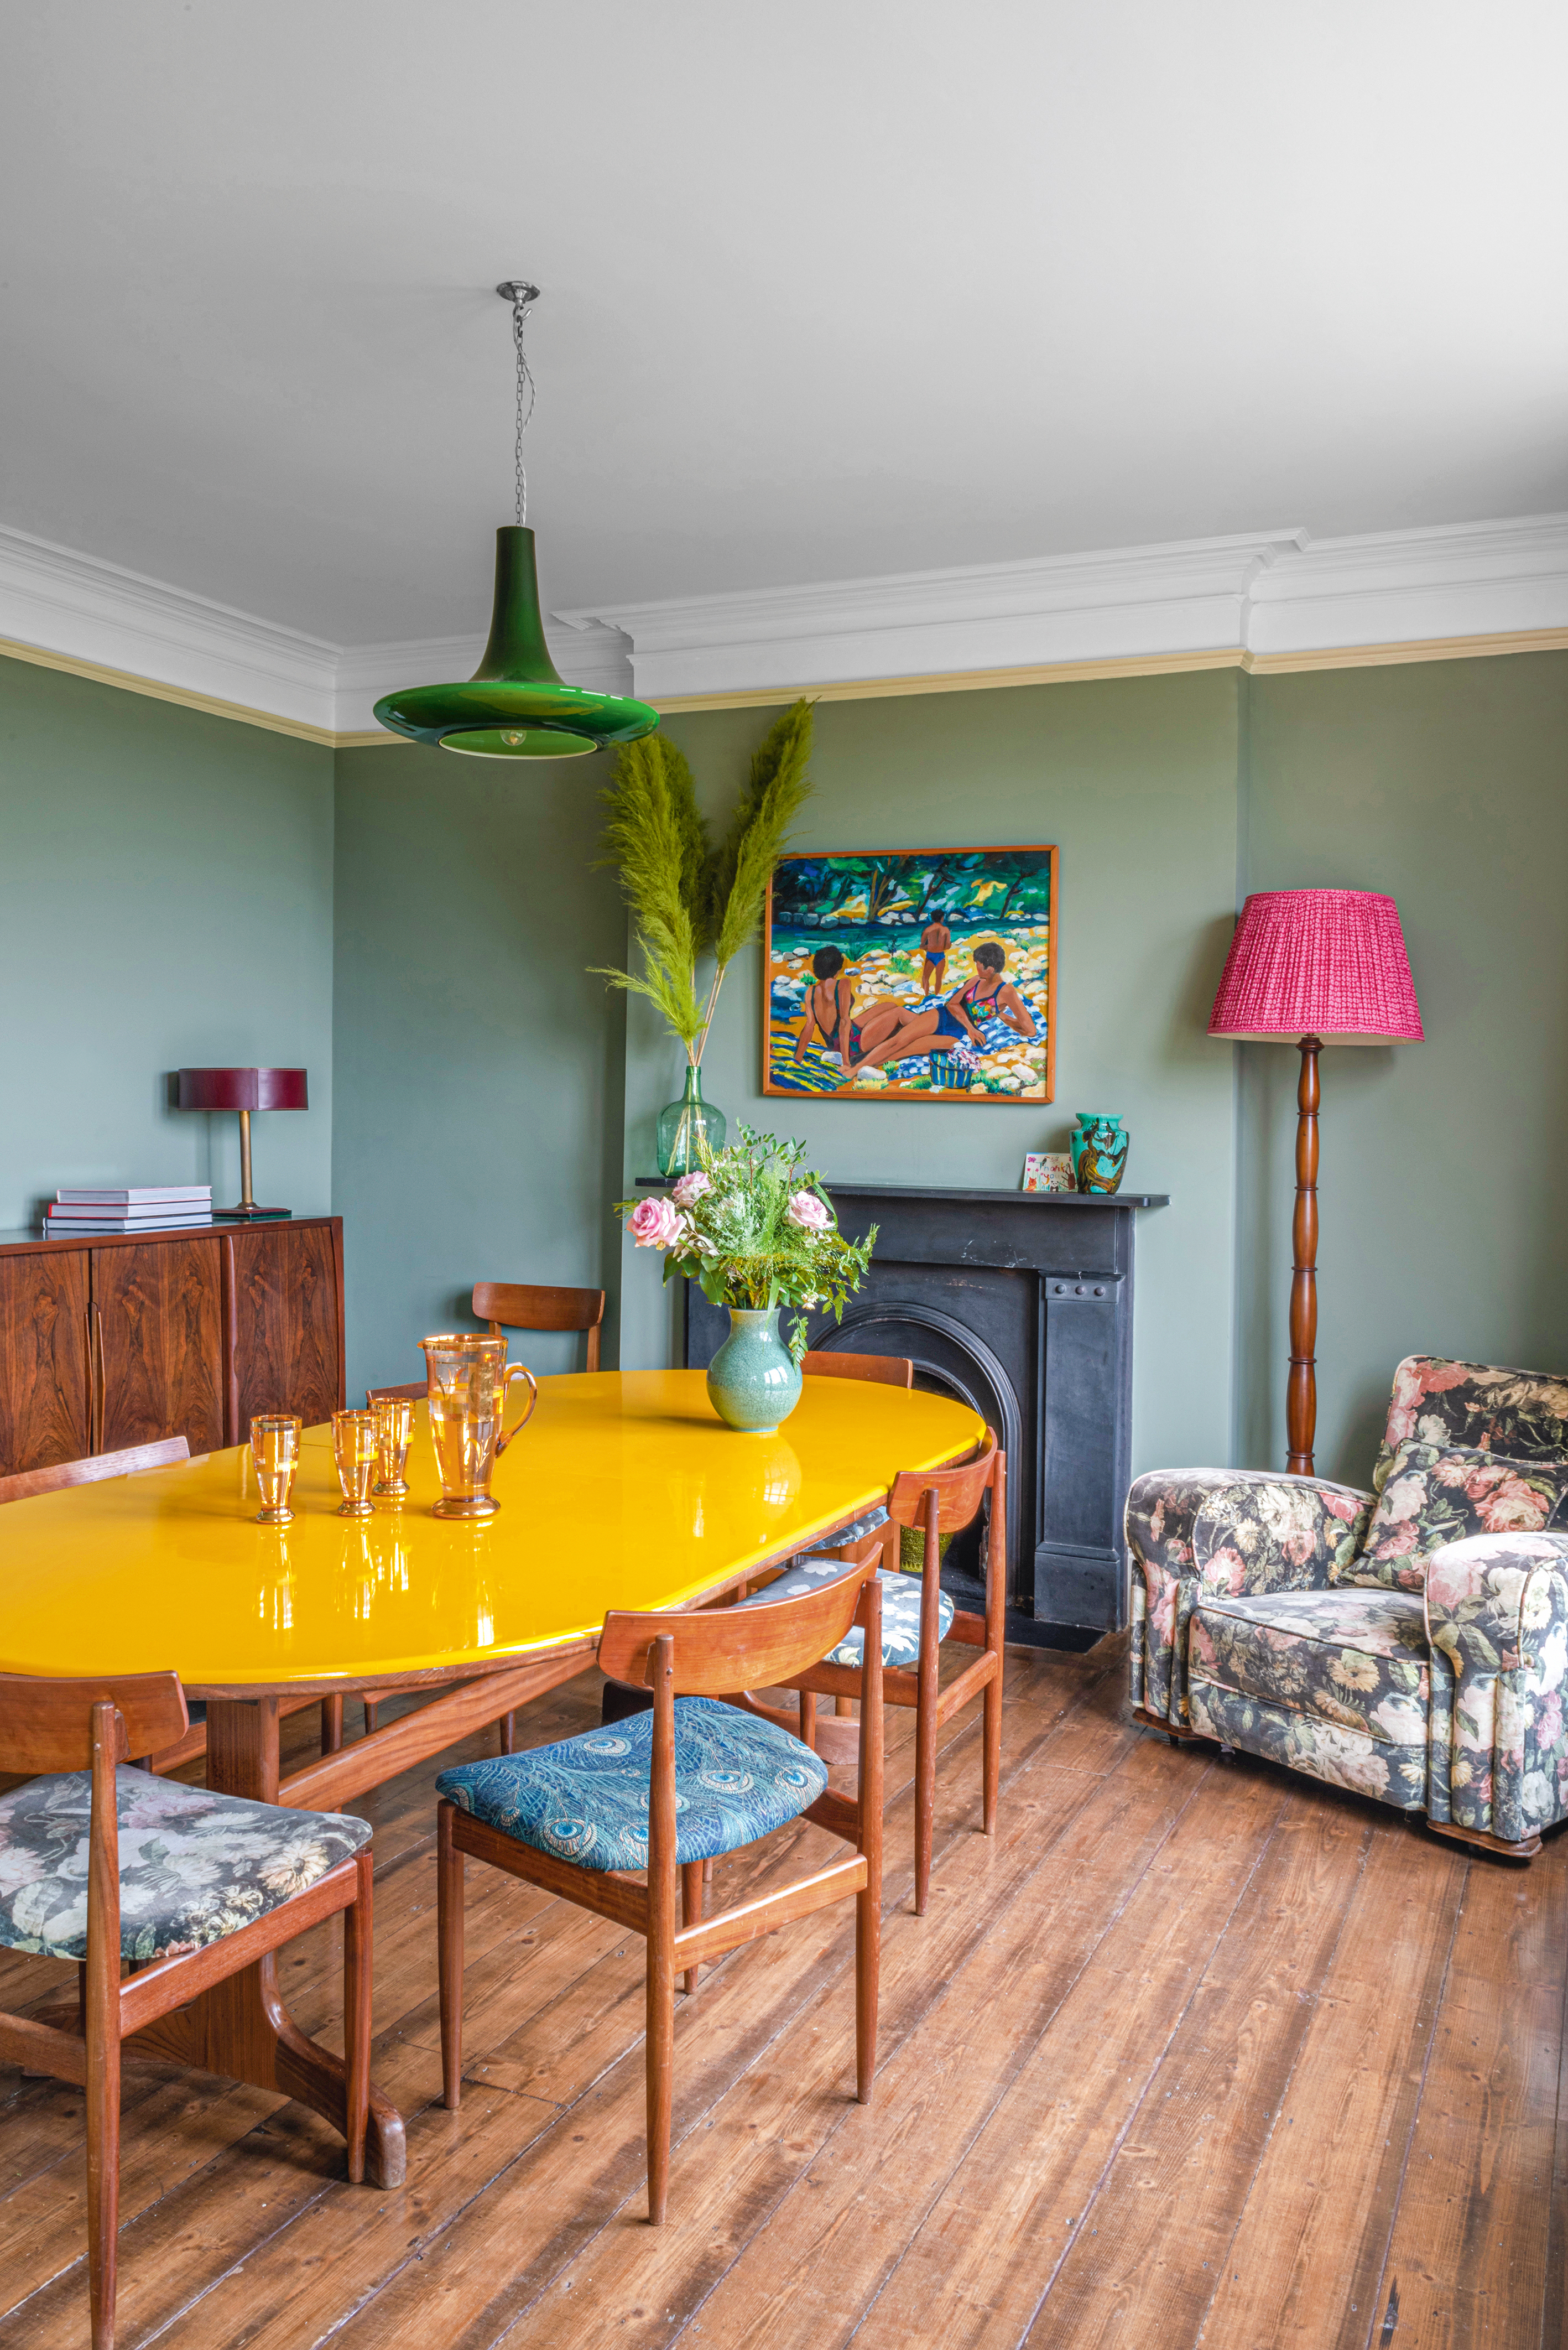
[926, 976]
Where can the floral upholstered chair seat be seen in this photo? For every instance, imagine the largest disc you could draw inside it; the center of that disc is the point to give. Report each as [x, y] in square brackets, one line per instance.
[1411, 1641]
[586, 1798]
[194, 1866]
[900, 1609]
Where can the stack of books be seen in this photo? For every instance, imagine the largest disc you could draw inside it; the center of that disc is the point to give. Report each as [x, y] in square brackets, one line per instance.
[146, 1208]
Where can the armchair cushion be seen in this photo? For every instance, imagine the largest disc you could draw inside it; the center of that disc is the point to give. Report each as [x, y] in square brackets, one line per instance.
[194, 1866]
[585, 1799]
[1523, 1415]
[1435, 1496]
[1358, 1657]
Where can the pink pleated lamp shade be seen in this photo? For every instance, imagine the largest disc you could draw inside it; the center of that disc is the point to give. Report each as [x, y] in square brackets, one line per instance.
[1318, 962]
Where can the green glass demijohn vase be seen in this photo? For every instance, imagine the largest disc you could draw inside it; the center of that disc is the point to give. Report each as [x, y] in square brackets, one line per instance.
[690, 1130]
[753, 1380]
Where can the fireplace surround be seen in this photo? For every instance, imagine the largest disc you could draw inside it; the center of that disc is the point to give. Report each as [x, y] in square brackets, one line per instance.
[1020, 1303]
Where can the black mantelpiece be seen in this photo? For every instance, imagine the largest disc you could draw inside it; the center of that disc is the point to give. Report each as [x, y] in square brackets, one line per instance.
[1022, 1302]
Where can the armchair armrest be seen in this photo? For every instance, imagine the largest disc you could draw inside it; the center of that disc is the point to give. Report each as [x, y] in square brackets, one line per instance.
[1497, 1616]
[1195, 1531]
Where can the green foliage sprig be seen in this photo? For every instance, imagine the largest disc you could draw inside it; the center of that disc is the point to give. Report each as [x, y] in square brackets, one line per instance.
[755, 1228]
[689, 899]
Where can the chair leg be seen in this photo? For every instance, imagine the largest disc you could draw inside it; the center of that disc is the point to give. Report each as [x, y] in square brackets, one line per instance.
[808, 1717]
[358, 1944]
[693, 1875]
[331, 1725]
[507, 1727]
[661, 2044]
[925, 1796]
[843, 1708]
[449, 1954]
[867, 1965]
[102, 2153]
[990, 1767]
[372, 1715]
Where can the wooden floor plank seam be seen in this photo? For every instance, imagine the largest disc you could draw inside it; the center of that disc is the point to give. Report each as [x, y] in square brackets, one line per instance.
[1026, 2048]
[1284, 2089]
[1081, 2219]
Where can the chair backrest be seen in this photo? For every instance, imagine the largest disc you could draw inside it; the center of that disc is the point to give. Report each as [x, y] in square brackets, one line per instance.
[886, 1370]
[514, 1305]
[415, 1392]
[1519, 1415]
[47, 1725]
[135, 1458]
[959, 1491]
[720, 1650]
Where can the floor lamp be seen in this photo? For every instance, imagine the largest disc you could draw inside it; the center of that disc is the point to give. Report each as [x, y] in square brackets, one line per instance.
[1320, 967]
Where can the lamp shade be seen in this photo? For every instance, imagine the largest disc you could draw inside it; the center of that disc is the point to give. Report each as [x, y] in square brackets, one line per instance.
[243, 1089]
[1318, 962]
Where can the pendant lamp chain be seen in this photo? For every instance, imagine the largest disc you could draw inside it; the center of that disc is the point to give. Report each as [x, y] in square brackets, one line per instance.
[521, 296]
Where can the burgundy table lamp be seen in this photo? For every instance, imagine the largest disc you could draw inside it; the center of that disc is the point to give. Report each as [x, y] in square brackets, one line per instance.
[1324, 967]
[245, 1090]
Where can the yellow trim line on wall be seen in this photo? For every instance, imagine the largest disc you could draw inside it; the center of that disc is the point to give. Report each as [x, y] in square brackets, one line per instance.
[872, 689]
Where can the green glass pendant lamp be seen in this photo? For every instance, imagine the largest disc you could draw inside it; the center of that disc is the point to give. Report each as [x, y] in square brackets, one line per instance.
[516, 705]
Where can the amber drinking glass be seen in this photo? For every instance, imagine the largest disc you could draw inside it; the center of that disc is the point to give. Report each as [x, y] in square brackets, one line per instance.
[354, 1448]
[275, 1448]
[469, 1377]
[394, 1426]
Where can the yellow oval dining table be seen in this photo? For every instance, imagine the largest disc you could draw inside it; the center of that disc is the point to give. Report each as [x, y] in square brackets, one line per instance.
[624, 1490]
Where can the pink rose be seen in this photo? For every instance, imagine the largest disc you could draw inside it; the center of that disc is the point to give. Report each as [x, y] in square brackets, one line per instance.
[808, 1212]
[1341, 1505]
[691, 1187]
[1439, 1376]
[654, 1223]
[1480, 1482]
[1226, 1571]
[1399, 1543]
[1514, 1508]
[1448, 1472]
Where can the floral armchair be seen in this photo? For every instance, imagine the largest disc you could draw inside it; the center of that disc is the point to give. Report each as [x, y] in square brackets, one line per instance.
[1410, 1642]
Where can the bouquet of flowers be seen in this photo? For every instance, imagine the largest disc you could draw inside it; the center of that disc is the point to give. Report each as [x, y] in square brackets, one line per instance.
[756, 1229]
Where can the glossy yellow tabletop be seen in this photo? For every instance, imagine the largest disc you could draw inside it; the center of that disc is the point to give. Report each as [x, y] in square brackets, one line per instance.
[624, 1490]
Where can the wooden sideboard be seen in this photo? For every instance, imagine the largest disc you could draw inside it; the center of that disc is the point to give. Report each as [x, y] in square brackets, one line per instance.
[124, 1339]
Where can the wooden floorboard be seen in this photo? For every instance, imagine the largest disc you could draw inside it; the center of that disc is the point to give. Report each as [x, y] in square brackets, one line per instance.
[1193, 2052]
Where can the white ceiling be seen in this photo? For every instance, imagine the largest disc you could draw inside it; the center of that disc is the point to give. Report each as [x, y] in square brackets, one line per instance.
[832, 288]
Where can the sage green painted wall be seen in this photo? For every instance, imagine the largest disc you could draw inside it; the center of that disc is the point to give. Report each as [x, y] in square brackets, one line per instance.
[1444, 1180]
[1136, 781]
[165, 900]
[478, 1121]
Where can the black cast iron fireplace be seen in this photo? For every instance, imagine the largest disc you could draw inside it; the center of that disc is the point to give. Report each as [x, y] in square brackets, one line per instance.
[1021, 1304]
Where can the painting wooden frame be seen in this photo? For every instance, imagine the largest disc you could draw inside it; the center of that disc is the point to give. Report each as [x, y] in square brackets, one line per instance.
[836, 1034]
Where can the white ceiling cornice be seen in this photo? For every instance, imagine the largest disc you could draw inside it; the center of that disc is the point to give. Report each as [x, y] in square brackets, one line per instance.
[1276, 597]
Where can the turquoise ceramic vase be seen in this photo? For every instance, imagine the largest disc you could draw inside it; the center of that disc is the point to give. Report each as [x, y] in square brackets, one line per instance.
[1099, 1152]
[753, 1380]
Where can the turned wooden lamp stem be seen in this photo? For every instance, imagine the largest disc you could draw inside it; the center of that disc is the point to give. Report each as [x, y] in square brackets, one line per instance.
[1301, 1392]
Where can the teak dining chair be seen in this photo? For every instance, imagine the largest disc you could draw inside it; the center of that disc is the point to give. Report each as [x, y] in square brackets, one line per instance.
[886, 1370]
[187, 1909]
[135, 1458]
[668, 1789]
[512, 1306]
[942, 1502]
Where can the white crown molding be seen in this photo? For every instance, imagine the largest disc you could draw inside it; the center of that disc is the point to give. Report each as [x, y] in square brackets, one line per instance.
[1266, 600]
[1279, 592]
[97, 614]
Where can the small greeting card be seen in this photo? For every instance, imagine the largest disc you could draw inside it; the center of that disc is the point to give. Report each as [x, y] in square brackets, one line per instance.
[1048, 1170]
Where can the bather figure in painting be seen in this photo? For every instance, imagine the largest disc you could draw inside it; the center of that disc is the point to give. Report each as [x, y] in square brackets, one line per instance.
[830, 1008]
[893, 1032]
[935, 938]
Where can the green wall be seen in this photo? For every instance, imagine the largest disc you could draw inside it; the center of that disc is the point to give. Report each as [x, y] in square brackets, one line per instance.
[165, 900]
[480, 1065]
[1136, 781]
[1444, 1178]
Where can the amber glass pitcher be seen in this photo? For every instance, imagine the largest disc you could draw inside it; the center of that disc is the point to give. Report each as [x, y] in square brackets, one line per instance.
[469, 1377]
